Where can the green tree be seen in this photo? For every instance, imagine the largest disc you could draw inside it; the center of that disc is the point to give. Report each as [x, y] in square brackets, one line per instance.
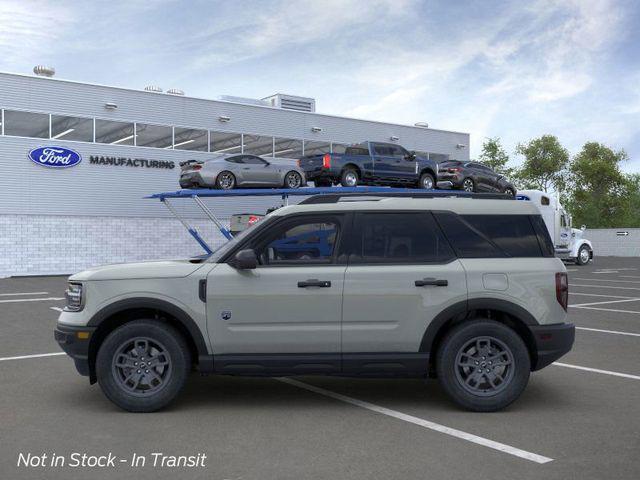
[494, 156]
[545, 164]
[600, 194]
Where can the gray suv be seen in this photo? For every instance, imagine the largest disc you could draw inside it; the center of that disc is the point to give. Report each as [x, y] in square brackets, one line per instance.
[463, 289]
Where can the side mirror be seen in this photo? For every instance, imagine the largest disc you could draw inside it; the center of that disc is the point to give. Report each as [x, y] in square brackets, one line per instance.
[244, 260]
[411, 156]
[583, 228]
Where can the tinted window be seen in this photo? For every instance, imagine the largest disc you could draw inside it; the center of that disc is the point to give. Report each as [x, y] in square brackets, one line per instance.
[398, 238]
[302, 242]
[258, 145]
[466, 240]
[71, 128]
[514, 234]
[253, 160]
[383, 150]
[225, 142]
[357, 151]
[544, 240]
[316, 148]
[190, 139]
[287, 148]
[238, 159]
[26, 124]
[115, 133]
[156, 136]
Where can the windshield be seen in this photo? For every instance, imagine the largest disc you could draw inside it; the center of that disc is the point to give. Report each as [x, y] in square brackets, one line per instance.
[223, 249]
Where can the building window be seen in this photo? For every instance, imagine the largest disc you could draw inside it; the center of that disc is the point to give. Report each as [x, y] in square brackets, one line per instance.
[226, 142]
[115, 133]
[287, 148]
[258, 145]
[190, 139]
[26, 124]
[316, 148]
[157, 136]
[71, 128]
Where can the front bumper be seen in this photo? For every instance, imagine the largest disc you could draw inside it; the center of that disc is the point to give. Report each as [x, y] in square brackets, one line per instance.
[74, 340]
[454, 180]
[552, 342]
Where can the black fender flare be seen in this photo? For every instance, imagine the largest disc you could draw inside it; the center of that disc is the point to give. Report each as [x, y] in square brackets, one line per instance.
[156, 304]
[459, 310]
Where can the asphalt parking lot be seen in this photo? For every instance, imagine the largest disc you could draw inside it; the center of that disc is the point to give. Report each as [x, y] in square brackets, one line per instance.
[577, 419]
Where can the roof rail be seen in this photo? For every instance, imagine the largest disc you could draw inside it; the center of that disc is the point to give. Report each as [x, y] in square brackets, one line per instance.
[373, 196]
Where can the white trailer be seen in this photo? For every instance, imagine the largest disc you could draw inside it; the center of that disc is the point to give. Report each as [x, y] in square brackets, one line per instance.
[568, 241]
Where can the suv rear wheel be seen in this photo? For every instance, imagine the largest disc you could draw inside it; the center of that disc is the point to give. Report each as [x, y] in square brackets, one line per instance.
[483, 365]
[142, 365]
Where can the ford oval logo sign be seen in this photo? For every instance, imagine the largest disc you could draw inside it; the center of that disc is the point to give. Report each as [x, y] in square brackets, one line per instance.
[55, 157]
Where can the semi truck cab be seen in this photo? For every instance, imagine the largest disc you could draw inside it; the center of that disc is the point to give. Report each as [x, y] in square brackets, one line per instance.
[567, 241]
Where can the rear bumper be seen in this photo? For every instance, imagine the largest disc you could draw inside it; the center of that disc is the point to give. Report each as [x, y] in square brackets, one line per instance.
[552, 342]
[455, 180]
[192, 180]
[319, 173]
[74, 345]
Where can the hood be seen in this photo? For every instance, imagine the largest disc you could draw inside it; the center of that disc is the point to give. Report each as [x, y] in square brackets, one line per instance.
[140, 270]
[577, 233]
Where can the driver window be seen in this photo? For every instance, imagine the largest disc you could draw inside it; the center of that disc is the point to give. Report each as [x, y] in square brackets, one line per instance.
[301, 243]
[250, 159]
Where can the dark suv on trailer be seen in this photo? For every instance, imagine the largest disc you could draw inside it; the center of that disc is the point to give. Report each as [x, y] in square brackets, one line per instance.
[474, 177]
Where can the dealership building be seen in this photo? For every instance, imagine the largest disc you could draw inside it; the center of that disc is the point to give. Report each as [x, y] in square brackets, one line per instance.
[127, 144]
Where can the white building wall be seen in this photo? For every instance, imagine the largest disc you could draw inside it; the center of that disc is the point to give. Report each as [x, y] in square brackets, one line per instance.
[611, 242]
[54, 244]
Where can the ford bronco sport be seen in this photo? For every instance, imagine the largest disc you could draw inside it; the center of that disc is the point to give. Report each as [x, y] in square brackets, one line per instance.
[463, 289]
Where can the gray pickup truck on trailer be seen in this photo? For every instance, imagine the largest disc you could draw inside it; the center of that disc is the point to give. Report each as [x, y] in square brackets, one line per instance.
[464, 289]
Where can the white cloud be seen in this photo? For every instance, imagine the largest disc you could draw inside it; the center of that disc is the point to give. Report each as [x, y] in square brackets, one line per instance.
[29, 30]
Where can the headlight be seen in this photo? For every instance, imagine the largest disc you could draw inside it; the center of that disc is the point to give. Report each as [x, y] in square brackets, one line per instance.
[74, 297]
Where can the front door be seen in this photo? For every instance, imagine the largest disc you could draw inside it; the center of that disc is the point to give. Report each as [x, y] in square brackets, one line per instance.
[291, 303]
[401, 274]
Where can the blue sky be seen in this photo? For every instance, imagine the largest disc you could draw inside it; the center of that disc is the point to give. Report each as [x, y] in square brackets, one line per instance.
[515, 69]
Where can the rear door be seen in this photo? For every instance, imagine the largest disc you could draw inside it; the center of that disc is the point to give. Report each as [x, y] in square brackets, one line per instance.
[401, 274]
[383, 160]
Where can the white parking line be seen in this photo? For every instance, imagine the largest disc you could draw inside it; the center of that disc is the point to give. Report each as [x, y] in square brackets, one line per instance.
[31, 299]
[597, 370]
[604, 302]
[604, 286]
[607, 280]
[596, 295]
[23, 293]
[609, 331]
[608, 310]
[57, 309]
[22, 357]
[421, 422]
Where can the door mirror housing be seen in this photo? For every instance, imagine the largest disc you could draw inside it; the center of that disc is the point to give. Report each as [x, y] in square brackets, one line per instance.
[411, 156]
[244, 260]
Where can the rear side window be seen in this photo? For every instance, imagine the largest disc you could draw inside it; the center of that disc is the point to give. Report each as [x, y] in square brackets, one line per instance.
[514, 234]
[398, 238]
[357, 151]
[546, 245]
[467, 241]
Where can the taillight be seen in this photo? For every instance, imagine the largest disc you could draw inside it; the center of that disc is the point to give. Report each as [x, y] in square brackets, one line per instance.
[196, 167]
[454, 170]
[562, 289]
[252, 219]
[326, 161]
[298, 162]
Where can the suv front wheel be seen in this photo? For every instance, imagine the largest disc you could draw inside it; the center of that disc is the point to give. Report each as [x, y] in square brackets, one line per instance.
[142, 365]
[483, 365]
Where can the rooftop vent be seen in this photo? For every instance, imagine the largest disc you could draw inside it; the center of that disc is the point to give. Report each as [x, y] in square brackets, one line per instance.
[244, 100]
[43, 71]
[175, 91]
[153, 88]
[422, 124]
[291, 102]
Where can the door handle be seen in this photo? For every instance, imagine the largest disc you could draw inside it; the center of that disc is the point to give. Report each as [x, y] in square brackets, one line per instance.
[312, 282]
[431, 281]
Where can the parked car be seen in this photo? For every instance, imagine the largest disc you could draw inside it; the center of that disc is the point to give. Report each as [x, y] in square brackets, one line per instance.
[371, 163]
[231, 171]
[474, 177]
[334, 287]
